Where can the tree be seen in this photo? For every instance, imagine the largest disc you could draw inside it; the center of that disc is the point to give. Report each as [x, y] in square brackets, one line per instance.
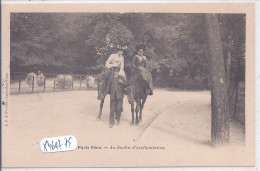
[77, 42]
[219, 101]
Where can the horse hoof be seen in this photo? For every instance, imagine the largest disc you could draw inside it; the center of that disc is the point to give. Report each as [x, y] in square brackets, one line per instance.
[131, 123]
[137, 123]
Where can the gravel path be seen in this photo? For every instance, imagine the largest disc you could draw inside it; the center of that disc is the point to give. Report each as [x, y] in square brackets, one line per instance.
[179, 122]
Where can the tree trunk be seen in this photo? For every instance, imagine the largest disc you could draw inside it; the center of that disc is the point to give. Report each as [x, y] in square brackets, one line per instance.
[219, 101]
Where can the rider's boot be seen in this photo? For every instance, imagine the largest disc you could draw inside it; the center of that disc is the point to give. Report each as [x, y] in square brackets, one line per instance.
[149, 91]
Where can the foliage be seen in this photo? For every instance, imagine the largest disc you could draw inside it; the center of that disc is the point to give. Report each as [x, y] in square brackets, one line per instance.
[80, 42]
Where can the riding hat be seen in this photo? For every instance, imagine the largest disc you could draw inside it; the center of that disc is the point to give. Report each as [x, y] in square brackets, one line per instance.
[140, 46]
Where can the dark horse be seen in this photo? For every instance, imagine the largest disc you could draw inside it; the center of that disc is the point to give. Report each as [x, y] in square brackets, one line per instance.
[102, 81]
[136, 91]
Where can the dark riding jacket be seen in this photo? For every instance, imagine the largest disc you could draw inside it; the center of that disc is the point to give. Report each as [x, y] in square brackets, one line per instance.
[115, 88]
[137, 62]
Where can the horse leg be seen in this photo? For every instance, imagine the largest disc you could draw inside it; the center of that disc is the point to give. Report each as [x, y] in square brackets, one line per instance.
[141, 107]
[132, 110]
[101, 107]
[136, 111]
[122, 107]
[140, 115]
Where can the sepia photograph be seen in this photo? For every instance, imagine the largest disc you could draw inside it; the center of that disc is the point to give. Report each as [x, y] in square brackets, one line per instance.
[128, 89]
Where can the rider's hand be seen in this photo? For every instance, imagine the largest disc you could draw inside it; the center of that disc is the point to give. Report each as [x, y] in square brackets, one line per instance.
[125, 91]
[121, 81]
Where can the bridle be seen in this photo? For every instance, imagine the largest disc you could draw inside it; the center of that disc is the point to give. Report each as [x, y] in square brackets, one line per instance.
[131, 92]
[102, 81]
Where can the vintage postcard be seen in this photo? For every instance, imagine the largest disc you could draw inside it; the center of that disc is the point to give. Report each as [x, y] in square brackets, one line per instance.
[127, 85]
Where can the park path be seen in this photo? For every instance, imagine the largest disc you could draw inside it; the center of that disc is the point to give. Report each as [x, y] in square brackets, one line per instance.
[177, 121]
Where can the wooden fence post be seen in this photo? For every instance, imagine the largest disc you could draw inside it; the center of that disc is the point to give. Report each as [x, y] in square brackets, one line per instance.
[19, 85]
[33, 84]
[63, 85]
[72, 82]
[54, 84]
[235, 107]
[44, 84]
[80, 82]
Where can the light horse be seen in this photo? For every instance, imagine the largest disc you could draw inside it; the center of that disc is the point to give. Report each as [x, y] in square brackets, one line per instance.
[33, 79]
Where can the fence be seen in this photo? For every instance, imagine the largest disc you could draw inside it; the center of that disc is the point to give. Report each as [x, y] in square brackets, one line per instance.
[20, 84]
[237, 102]
[182, 83]
[80, 82]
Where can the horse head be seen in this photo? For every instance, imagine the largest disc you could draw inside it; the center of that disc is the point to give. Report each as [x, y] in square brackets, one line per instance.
[130, 93]
[101, 87]
[102, 80]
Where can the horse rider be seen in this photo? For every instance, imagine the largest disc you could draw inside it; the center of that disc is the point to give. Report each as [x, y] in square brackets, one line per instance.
[117, 59]
[115, 87]
[139, 64]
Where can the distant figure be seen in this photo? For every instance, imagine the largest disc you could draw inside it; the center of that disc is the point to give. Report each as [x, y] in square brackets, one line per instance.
[36, 80]
[90, 82]
[96, 82]
[63, 81]
[41, 78]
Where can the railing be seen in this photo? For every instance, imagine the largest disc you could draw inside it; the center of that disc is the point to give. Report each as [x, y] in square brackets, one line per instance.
[18, 84]
[237, 103]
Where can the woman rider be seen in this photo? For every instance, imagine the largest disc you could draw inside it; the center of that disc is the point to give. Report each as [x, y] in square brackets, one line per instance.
[139, 63]
[116, 59]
